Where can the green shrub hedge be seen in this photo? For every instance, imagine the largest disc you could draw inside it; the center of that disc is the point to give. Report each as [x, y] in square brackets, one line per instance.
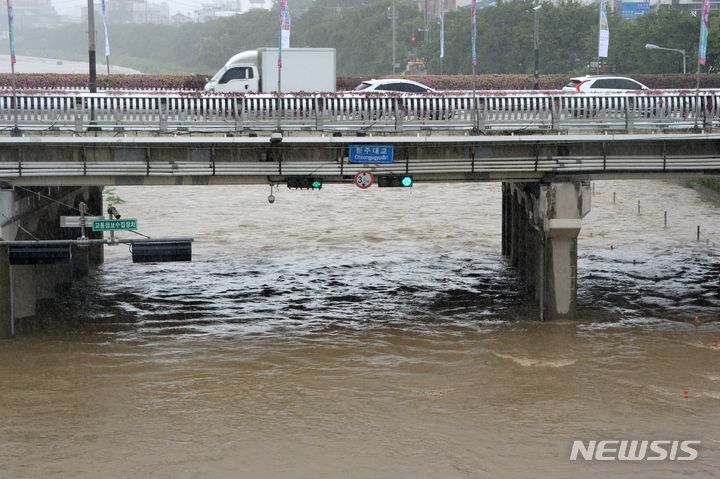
[29, 81]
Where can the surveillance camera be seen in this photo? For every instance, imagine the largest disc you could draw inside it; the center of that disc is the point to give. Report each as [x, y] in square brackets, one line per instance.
[271, 198]
[112, 211]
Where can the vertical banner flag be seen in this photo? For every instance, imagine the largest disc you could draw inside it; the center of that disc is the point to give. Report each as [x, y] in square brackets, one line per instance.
[11, 30]
[474, 31]
[107, 40]
[702, 50]
[285, 31]
[604, 33]
[283, 14]
[442, 28]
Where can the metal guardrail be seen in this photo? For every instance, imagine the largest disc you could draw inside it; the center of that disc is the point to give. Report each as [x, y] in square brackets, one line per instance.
[510, 111]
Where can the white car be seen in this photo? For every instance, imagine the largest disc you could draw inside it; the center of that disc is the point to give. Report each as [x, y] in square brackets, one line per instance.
[398, 85]
[603, 83]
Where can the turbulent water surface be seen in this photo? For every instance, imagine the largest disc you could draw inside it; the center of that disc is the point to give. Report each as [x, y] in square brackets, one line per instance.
[371, 334]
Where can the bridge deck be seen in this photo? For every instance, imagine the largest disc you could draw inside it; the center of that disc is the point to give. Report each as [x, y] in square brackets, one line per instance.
[40, 160]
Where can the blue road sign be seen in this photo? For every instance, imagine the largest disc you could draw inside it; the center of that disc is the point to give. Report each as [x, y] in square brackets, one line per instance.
[630, 10]
[371, 154]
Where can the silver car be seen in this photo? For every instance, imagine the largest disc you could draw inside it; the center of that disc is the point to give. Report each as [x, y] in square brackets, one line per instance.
[398, 85]
[603, 83]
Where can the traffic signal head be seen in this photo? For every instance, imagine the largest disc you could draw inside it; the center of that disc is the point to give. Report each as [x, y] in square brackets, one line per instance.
[402, 181]
[413, 38]
[304, 182]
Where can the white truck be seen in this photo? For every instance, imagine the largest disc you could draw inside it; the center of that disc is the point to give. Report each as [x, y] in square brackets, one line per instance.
[256, 71]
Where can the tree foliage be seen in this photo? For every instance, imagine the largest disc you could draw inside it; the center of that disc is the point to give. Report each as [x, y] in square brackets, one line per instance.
[362, 34]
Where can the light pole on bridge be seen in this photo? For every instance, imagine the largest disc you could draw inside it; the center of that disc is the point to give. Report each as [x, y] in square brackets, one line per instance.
[392, 15]
[92, 77]
[650, 46]
[536, 37]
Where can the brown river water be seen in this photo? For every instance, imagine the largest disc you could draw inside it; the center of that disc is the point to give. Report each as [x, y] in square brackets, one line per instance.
[344, 333]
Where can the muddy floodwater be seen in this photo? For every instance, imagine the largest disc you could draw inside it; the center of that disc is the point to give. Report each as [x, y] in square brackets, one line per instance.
[345, 333]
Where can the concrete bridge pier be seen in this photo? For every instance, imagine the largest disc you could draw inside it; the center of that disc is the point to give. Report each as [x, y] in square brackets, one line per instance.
[28, 215]
[540, 225]
[7, 326]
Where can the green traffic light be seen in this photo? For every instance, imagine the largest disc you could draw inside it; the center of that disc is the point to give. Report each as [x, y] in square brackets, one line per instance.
[407, 181]
[317, 184]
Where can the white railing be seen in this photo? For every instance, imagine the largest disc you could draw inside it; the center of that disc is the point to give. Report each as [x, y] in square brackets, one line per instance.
[508, 111]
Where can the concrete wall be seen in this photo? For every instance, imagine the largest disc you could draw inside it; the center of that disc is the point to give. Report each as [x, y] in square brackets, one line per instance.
[7, 326]
[541, 223]
[37, 215]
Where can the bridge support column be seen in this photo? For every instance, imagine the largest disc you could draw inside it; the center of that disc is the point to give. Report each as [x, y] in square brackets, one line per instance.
[541, 223]
[7, 321]
[80, 262]
[506, 205]
[64, 279]
[24, 291]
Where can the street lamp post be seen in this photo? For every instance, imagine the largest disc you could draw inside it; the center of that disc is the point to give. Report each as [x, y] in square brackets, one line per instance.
[392, 13]
[536, 37]
[92, 76]
[650, 46]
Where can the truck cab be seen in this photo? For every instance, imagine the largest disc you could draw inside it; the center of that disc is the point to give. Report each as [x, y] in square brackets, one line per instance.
[238, 75]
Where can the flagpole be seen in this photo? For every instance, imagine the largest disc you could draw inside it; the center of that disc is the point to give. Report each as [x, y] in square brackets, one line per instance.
[475, 109]
[442, 34]
[284, 24]
[11, 37]
[602, 6]
[16, 129]
[603, 34]
[697, 96]
[701, 58]
[279, 67]
[474, 63]
[279, 99]
[107, 42]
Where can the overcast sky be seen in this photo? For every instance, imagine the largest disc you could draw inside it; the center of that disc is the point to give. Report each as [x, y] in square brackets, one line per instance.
[72, 7]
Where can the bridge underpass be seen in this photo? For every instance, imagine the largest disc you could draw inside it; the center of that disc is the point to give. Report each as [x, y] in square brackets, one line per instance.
[545, 194]
[28, 214]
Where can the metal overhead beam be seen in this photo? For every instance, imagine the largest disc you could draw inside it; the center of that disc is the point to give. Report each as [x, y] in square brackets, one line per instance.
[263, 160]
